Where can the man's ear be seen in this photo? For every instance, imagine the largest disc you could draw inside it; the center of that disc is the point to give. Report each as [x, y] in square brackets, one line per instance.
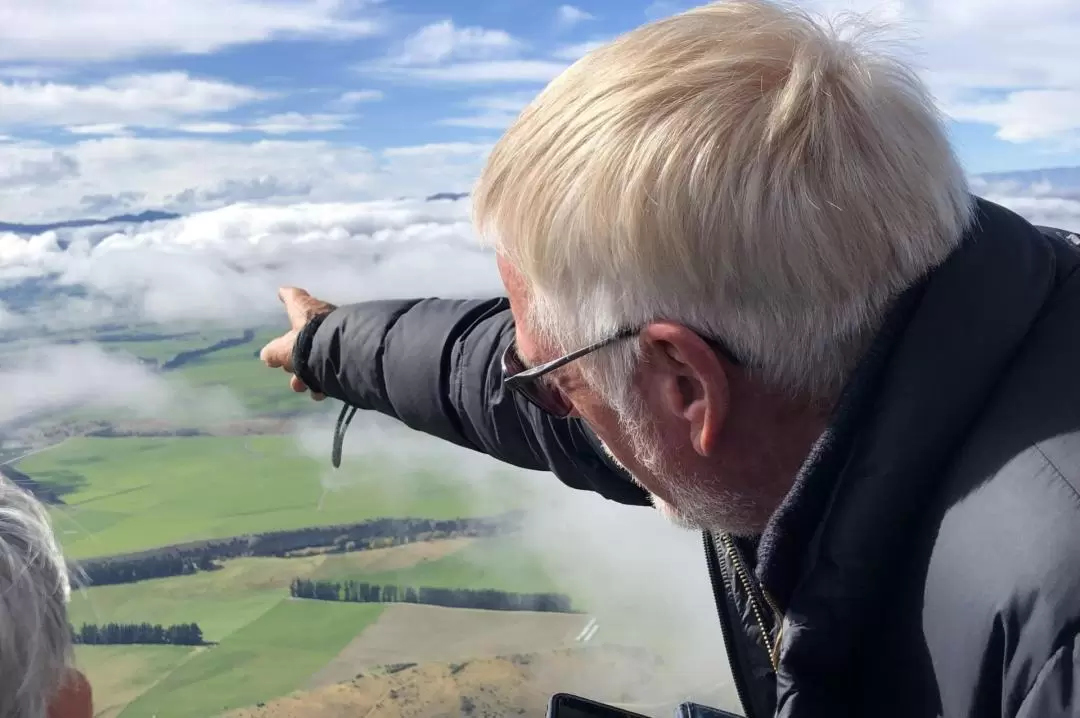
[688, 380]
[74, 700]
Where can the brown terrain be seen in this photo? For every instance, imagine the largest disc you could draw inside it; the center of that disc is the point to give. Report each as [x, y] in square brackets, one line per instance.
[410, 633]
[517, 685]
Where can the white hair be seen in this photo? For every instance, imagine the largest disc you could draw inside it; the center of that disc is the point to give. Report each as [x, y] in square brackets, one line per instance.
[752, 173]
[35, 638]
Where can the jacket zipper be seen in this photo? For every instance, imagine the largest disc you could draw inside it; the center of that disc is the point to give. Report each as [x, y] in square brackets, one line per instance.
[719, 583]
[772, 647]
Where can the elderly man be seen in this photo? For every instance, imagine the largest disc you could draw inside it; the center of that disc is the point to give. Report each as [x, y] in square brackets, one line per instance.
[747, 284]
[37, 677]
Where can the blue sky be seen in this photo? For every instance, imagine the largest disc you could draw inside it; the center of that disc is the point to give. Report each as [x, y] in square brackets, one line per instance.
[108, 105]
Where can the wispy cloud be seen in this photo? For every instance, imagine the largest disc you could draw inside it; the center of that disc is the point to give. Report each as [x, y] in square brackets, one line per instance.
[357, 97]
[149, 99]
[285, 123]
[567, 16]
[444, 53]
[443, 42]
[493, 112]
[77, 30]
[494, 71]
[578, 50]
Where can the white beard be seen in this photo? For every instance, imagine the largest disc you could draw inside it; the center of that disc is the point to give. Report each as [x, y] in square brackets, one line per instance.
[697, 504]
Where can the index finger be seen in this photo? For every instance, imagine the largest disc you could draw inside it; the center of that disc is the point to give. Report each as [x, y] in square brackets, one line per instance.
[294, 300]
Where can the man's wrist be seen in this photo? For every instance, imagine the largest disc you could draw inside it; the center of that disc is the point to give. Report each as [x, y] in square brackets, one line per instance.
[305, 340]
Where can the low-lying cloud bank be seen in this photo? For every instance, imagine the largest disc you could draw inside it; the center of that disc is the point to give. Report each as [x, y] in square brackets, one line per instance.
[223, 266]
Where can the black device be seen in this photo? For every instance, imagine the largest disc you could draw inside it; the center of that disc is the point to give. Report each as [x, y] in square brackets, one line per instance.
[566, 705]
[696, 710]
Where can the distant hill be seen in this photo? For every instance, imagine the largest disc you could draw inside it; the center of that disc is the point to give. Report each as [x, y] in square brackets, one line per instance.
[447, 195]
[147, 216]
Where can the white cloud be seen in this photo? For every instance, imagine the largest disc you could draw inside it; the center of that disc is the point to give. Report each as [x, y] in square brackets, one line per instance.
[41, 183]
[494, 112]
[443, 41]
[43, 167]
[78, 30]
[225, 264]
[285, 123]
[567, 16]
[228, 262]
[30, 72]
[664, 8]
[46, 378]
[145, 99]
[355, 97]
[436, 149]
[1026, 115]
[463, 73]
[578, 50]
[104, 129]
[1011, 66]
[443, 53]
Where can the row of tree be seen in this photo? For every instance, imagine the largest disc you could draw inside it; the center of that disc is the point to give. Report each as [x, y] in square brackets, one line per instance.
[183, 634]
[192, 354]
[181, 559]
[485, 599]
[105, 573]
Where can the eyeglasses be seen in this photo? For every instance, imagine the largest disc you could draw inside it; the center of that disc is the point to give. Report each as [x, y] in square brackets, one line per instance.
[530, 384]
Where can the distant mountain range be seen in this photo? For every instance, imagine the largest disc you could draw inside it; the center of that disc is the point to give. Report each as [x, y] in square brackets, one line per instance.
[1057, 177]
[147, 216]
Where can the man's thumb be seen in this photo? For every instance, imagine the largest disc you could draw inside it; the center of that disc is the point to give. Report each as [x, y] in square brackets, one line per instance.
[278, 353]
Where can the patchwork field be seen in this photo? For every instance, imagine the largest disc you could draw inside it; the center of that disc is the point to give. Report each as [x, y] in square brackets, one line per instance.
[245, 609]
[272, 655]
[128, 494]
[120, 674]
[223, 601]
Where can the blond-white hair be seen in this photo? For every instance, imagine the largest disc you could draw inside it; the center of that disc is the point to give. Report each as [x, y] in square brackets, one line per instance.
[35, 638]
[756, 174]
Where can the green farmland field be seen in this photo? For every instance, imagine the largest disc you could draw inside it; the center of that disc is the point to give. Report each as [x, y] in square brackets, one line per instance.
[503, 564]
[269, 657]
[119, 674]
[129, 494]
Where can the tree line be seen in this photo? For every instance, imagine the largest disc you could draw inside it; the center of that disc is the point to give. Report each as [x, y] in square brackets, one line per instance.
[183, 634]
[186, 558]
[192, 354]
[485, 599]
[108, 572]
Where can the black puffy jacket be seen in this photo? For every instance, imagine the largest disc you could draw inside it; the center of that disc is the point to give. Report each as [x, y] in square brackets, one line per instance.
[927, 560]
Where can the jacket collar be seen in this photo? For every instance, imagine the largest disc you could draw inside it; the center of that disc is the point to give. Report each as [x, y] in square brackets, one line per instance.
[827, 551]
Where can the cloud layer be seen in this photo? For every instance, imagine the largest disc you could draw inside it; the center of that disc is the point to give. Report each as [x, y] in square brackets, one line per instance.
[225, 265]
[41, 182]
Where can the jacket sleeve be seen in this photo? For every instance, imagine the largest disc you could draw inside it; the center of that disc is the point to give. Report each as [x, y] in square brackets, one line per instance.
[434, 365]
[1054, 694]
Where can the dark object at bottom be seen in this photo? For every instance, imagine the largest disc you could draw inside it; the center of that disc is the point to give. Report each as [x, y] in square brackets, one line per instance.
[695, 710]
[565, 705]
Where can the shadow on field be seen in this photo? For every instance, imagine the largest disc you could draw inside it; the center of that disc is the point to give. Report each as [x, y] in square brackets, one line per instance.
[61, 482]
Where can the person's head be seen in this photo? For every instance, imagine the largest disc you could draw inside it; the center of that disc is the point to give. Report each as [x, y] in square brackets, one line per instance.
[744, 189]
[37, 678]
